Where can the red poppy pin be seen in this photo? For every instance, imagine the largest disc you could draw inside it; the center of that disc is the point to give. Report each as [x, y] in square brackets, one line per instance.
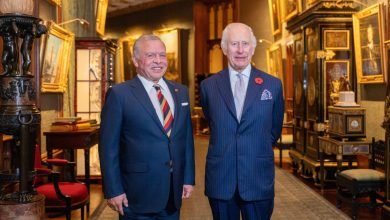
[259, 80]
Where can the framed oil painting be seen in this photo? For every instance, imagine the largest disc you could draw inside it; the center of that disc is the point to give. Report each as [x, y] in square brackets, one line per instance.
[337, 74]
[57, 45]
[274, 61]
[125, 51]
[101, 14]
[274, 11]
[336, 40]
[368, 26]
[171, 38]
[291, 8]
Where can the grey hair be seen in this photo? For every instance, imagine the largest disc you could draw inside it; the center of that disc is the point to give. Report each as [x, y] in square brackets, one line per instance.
[143, 38]
[227, 30]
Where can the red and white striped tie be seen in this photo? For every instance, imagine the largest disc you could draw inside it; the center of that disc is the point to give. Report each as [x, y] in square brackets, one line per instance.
[166, 111]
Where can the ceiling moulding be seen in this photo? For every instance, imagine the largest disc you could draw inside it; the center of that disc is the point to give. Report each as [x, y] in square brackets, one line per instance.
[123, 7]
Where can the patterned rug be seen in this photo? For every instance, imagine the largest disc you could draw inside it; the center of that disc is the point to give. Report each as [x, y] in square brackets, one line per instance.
[294, 200]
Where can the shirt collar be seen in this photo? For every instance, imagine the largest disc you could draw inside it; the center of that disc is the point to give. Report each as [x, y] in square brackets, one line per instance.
[246, 72]
[149, 84]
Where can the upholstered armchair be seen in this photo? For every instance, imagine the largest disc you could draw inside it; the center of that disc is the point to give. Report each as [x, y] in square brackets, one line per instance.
[354, 184]
[61, 197]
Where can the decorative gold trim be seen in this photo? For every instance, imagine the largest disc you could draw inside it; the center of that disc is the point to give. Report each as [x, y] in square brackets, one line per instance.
[56, 2]
[60, 40]
[327, 54]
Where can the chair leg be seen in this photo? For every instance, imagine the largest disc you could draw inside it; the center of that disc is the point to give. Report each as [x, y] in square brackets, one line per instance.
[82, 213]
[280, 157]
[355, 207]
[68, 214]
[338, 200]
[372, 201]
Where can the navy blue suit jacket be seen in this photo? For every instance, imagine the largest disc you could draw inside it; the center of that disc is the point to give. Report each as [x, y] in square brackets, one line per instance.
[240, 154]
[135, 151]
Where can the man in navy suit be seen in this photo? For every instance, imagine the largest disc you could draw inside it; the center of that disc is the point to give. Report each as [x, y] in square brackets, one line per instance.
[146, 145]
[244, 108]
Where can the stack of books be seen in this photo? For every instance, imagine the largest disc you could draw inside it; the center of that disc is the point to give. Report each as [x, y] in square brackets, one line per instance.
[72, 124]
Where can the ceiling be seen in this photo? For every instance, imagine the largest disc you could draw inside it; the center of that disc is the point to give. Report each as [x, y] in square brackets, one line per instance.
[122, 7]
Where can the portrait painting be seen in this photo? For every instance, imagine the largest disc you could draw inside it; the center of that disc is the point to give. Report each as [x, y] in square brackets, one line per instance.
[55, 58]
[336, 39]
[274, 10]
[369, 54]
[171, 39]
[336, 79]
[291, 8]
[275, 63]
[125, 51]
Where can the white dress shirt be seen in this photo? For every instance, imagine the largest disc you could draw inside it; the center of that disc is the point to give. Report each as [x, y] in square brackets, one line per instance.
[148, 85]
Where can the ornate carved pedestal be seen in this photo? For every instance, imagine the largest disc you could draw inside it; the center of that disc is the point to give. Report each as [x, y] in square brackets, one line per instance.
[18, 114]
[33, 210]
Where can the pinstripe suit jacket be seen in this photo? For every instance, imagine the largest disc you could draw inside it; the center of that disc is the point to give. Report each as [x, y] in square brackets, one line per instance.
[240, 154]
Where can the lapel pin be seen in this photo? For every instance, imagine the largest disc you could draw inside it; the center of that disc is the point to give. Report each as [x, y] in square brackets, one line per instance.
[176, 90]
[258, 80]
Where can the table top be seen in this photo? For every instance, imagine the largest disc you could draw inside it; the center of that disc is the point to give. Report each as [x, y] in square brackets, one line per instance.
[80, 132]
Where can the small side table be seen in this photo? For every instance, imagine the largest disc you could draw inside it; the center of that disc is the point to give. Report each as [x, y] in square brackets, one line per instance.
[340, 148]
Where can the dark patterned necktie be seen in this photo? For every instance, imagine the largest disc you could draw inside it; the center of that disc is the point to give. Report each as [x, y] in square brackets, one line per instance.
[166, 111]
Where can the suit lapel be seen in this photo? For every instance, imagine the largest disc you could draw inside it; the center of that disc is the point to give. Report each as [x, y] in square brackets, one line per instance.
[252, 92]
[143, 98]
[174, 92]
[226, 91]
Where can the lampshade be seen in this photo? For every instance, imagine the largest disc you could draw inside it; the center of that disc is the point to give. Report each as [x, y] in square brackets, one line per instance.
[18, 7]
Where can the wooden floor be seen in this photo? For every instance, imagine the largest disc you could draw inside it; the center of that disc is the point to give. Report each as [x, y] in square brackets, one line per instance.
[329, 193]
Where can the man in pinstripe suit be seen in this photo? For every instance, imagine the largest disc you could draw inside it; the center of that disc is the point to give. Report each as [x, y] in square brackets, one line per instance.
[244, 107]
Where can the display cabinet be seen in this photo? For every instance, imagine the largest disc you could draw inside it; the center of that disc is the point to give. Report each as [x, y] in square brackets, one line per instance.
[386, 126]
[323, 58]
[95, 63]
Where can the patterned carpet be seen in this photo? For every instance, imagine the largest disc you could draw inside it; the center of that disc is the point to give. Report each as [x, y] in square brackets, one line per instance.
[293, 200]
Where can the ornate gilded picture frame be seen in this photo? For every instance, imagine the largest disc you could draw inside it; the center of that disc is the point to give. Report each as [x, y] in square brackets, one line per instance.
[274, 11]
[291, 8]
[125, 52]
[172, 41]
[275, 62]
[101, 14]
[57, 45]
[368, 26]
[336, 74]
[56, 2]
[336, 39]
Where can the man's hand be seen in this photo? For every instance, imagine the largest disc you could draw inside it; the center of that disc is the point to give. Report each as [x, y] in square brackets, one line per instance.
[187, 190]
[116, 203]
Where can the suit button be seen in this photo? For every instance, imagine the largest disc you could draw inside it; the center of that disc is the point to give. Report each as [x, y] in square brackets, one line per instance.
[170, 165]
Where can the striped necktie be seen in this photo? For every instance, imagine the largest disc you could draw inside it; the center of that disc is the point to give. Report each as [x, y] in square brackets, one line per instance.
[166, 111]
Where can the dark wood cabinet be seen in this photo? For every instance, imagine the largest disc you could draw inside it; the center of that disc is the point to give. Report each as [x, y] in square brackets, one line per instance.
[323, 56]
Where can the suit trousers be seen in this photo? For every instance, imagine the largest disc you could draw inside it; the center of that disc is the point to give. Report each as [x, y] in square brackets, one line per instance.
[250, 210]
[169, 213]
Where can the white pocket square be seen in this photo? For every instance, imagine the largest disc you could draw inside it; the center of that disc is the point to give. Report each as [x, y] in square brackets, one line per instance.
[184, 103]
[266, 95]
